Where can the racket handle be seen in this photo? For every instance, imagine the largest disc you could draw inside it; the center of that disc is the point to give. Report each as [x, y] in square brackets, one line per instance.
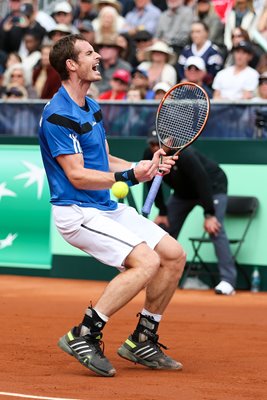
[152, 195]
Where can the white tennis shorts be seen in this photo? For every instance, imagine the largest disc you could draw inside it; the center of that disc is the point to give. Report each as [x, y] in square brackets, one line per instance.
[108, 236]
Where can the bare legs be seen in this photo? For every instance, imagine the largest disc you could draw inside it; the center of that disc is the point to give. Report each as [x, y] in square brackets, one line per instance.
[158, 270]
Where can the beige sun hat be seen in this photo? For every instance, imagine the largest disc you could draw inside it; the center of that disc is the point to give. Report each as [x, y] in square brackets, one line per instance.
[113, 3]
[162, 47]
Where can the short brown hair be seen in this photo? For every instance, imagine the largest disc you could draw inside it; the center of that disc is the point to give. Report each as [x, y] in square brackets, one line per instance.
[63, 50]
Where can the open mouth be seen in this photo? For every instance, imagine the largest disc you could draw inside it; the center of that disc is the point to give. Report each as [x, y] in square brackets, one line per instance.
[95, 68]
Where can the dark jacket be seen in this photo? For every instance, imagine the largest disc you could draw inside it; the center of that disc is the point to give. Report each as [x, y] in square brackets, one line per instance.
[193, 177]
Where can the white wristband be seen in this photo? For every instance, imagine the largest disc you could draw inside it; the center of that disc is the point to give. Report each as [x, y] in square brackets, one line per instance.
[134, 164]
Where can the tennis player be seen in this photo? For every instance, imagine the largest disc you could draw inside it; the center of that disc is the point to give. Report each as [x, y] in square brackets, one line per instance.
[80, 172]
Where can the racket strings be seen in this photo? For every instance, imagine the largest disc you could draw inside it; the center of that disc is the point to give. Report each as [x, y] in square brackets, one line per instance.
[182, 116]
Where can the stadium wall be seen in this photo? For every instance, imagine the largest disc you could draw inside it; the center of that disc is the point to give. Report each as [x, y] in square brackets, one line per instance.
[30, 244]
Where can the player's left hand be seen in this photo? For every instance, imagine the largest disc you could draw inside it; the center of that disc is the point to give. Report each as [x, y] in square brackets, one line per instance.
[164, 162]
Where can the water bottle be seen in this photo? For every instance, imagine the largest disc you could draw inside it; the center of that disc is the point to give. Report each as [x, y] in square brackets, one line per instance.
[255, 280]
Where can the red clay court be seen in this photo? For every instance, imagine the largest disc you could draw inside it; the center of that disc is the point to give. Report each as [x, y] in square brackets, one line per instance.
[221, 342]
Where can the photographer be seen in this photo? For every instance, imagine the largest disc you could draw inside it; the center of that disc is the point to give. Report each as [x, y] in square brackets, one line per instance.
[14, 26]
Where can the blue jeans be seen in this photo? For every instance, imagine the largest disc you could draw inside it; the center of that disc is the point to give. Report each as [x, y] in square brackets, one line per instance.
[178, 210]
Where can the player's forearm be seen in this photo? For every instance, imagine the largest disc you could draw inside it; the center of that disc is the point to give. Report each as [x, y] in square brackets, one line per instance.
[89, 179]
[118, 164]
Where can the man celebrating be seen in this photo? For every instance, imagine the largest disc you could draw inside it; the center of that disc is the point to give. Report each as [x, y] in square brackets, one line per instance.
[80, 172]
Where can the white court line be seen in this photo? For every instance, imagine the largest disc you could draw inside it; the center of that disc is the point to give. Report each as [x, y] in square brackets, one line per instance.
[27, 396]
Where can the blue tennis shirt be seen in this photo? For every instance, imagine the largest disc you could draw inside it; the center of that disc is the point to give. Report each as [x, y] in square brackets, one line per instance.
[66, 128]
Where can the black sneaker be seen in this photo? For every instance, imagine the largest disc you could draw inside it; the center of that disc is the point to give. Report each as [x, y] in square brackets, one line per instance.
[87, 350]
[147, 353]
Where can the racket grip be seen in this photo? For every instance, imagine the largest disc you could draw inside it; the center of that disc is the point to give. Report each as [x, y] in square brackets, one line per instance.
[152, 195]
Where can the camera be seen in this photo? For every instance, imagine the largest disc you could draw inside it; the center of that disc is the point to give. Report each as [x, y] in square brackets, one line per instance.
[16, 20]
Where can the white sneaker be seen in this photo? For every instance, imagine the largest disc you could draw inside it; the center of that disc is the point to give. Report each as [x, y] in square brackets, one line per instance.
[224, 288]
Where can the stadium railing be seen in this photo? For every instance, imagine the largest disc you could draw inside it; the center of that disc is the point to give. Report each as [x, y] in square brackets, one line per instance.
[243, 119]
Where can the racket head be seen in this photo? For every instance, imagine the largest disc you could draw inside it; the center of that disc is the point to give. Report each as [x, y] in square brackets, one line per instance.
[182, 115]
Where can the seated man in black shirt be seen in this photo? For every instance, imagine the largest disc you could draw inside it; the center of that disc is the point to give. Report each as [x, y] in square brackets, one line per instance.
[197, 180]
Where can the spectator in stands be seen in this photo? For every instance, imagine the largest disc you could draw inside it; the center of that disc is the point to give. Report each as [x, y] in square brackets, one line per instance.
[84, 11]
[142, 40]
[135, 94]
[44, 19]
[63, 14]
[262, 64]
[242, 15]
[261, 112]
[204, 11]
[109, 63]
[159, 65]
[144, 16]
[175, 24]
[262, 88]
[32, 42]
[17, 75]
[140, 81]
[160, 89]
[87, 30]
[14, 27]
[12, 58]
[238, 81]
[15, 92]
[59, 32]
[106, 26]
[10, 34]
[202, 47]
[125, 41]
[195, 71]
[45, 79]
[239, 34]
[115, 4]
[119, 84]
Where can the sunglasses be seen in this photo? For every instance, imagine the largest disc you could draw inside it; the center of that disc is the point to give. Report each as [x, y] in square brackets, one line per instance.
[16, 76]
[14, 93]
[237, 35]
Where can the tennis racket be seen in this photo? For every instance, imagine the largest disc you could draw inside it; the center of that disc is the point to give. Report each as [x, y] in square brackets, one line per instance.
[181, 117]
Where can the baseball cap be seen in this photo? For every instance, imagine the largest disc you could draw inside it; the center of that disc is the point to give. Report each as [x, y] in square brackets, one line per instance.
[123, 75]
[26, 9]
[244, 45]
[63, 6]
[140, 71]
[164, 86]
[60, 28]
[197, 62]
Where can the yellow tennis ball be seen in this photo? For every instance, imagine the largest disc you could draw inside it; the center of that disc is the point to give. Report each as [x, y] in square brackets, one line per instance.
[120, 189]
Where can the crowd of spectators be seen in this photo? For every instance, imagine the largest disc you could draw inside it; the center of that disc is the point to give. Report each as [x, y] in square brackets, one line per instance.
[146, 46]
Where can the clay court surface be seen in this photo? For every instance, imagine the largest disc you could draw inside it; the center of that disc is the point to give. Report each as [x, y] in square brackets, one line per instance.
[221, 341]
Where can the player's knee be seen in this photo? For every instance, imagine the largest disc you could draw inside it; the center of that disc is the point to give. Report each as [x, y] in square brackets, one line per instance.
[145, 260]
[179, 261]
[173, 256]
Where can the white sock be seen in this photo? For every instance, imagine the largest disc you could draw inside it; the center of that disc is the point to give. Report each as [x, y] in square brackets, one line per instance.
[102, 316]
[156, 317]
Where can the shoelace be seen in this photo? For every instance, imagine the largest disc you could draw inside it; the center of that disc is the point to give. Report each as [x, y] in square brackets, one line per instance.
[154, 338]
[95, 339]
